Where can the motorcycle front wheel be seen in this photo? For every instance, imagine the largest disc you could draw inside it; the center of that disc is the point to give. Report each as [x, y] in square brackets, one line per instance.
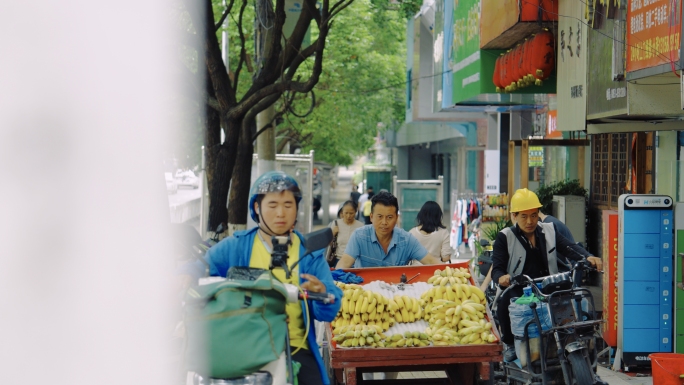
[581, 371]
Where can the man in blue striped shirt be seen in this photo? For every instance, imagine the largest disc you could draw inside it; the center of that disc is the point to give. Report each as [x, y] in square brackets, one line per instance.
[381, 244]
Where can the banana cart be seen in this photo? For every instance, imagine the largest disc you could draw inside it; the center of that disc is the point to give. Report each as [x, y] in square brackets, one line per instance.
[463, 364]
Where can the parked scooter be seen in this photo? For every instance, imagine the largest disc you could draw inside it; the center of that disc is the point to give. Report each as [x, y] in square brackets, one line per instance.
[281, 370]
[567, 351]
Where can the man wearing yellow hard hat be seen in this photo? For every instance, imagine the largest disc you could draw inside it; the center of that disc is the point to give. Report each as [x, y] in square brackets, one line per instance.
[528, 247]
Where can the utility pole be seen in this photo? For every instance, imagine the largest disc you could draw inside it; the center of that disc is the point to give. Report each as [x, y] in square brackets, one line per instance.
[265, 143]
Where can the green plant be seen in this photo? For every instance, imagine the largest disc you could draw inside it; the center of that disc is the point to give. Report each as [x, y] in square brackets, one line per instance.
[492, 229]
[478, 248]
[564, 187]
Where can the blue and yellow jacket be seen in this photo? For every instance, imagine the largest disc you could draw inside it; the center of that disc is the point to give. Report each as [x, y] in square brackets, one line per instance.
[237, 251]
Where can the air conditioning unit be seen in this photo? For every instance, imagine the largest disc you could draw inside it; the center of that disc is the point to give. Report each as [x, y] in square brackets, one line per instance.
[569, 209]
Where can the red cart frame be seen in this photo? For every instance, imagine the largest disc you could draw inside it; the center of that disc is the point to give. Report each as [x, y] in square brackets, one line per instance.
[463, 364]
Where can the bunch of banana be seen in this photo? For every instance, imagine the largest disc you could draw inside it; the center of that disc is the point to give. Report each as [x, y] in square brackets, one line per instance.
[363, 307]
[457, 293]
[478, 333]
[450, 276]
[454, 323]
[359, 336]
[449, 289]
[408, 339]
[405, 309]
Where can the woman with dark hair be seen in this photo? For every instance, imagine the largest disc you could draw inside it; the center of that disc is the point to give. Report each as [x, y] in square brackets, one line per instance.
[343, 227]
[431, 233]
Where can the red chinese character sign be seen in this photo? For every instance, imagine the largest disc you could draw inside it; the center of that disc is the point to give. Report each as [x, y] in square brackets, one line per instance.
[653, 29]
[610, 275]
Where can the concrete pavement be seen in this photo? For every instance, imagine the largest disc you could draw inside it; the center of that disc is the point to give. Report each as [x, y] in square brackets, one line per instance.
[617, 378]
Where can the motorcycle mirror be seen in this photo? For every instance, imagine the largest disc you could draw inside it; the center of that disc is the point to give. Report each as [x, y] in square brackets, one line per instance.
[219, 229]
[318, 240]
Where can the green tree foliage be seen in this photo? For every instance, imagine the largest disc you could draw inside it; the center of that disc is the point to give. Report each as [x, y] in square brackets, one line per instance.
[354, 88]
[361, 87]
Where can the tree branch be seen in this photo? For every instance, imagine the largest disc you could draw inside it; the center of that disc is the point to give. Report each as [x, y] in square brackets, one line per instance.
[294, 43]
[339, 6]
[225, 14]
[310, 5]
[211, 102]
[253, 97]
[271, 36]
[248, 103]
[262, 105]
[286, 106]
[203, 20]
[243, 49]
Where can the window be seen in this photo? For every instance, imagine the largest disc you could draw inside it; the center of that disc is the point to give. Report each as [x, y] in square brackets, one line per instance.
[621, 164]
[609, 168]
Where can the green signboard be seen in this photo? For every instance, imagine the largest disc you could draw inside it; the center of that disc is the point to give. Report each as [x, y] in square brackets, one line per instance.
[472, 68]
[465, 50]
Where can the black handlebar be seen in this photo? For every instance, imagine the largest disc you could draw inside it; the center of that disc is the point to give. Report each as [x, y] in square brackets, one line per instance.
[319, 297]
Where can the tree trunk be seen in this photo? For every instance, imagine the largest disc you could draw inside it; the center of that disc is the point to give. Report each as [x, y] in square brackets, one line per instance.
[240, 184]
[224, 167]
[212, 142]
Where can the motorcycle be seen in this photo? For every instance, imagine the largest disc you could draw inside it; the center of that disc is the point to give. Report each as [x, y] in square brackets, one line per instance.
[567, 352]
[281, 370]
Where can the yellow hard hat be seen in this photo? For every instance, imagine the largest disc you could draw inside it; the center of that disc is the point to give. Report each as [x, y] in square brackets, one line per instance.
[524, 199]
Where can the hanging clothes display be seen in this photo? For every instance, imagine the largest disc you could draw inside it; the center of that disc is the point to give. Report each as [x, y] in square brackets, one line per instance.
[472, 207]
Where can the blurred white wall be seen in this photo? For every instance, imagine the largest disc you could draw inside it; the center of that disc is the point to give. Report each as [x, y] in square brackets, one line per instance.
[84, 110]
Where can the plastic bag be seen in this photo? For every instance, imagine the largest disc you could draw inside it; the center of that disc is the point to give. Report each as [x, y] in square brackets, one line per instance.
[522, 314]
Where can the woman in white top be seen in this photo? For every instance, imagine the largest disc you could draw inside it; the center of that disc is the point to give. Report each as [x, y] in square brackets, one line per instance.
[344, 227]
[431, 233]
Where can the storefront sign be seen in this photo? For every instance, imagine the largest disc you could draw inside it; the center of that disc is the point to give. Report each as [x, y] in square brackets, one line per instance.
[614, 93]
[536, 158]
[610, 276]
[572, 67]
[492, 171]
[653, 29]
[465, 60]
[606, 96]
[551, 126]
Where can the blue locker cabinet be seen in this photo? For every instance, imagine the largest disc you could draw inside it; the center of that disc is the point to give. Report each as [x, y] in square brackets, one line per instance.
[645, 300]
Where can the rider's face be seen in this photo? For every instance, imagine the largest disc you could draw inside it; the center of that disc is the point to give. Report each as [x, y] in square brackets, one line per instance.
[527, 220]
[384, 218]
[278, 210]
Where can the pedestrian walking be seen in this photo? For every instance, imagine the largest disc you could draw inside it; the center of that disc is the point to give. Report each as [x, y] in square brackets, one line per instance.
[367, 208]
[431, 233]
[342, 229]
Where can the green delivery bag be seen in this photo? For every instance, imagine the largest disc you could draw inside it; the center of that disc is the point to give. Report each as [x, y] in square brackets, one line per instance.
[235, 327]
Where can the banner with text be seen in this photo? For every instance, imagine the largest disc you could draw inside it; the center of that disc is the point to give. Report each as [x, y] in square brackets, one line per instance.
[653, 29]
